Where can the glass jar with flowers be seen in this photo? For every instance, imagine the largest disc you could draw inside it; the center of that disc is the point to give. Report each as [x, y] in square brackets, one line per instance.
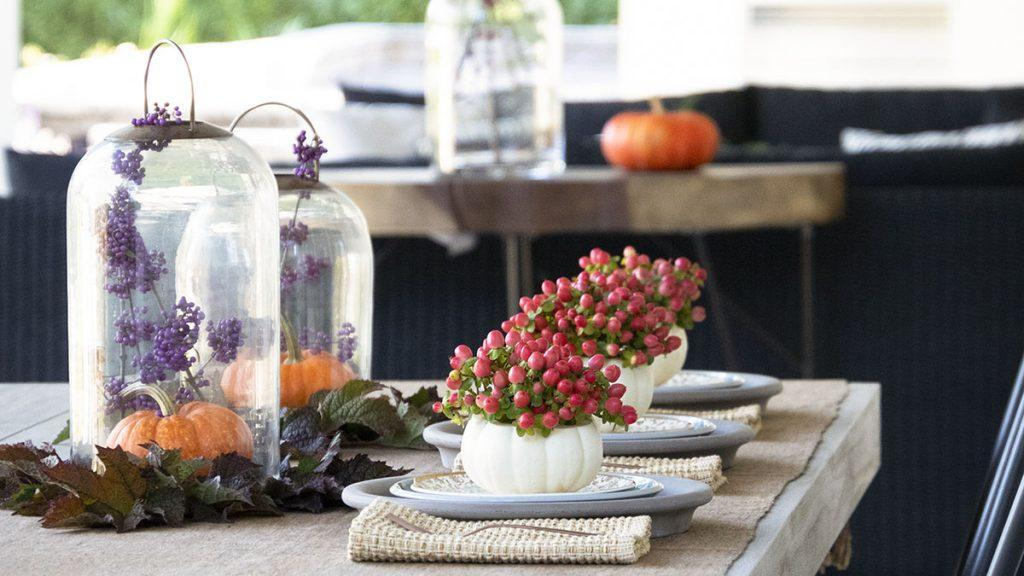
[673, 284]
[493, 86]
[529, 410]
[172, 276]
[326, 279]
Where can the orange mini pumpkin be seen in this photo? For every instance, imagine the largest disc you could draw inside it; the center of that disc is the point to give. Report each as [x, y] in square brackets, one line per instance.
[197, 429]
[299, 378]
[659, 140]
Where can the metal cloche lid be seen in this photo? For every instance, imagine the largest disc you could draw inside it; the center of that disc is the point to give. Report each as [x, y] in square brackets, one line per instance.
[190, 130]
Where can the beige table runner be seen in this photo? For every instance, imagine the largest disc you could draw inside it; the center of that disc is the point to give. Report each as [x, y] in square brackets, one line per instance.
[317, 544]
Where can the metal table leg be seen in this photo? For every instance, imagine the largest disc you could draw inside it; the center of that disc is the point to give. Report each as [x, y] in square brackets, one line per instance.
[513, 278]
[807, 299]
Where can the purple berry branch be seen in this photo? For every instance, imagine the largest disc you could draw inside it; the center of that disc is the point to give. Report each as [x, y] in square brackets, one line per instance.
[298, 269]
[162, 343]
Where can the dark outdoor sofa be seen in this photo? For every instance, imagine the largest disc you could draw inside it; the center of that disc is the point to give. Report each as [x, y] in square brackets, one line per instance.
[920, 287]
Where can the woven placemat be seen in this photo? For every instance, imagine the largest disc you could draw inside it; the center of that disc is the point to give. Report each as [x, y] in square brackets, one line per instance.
[387, 532]
[706, 469]
[749, 414]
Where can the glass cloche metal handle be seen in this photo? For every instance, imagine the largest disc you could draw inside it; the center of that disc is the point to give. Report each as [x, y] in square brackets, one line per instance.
[191, 84]
[299, 113]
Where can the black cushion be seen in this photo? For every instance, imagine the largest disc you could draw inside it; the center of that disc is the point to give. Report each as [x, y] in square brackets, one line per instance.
[1003, 166]
[33, 285]
[369, 95]
[39, 173]
[815, 117]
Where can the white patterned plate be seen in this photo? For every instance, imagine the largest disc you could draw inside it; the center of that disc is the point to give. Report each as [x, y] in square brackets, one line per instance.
[704, 380]
[456, 486]
[659, 426]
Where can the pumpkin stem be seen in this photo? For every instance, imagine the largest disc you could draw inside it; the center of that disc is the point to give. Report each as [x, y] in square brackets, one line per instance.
[163, 400]
[291, 341]
[657, 106]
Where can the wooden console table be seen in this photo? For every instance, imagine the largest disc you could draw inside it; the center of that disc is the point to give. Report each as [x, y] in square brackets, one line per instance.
[715, 198]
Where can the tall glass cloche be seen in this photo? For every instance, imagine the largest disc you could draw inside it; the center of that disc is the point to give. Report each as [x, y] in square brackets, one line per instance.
[326, 277]
[494, 71]
[172, 283]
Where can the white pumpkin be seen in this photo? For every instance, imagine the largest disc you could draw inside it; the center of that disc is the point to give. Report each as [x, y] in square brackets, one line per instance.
[500, 461]
[668, 365]
[639, 383]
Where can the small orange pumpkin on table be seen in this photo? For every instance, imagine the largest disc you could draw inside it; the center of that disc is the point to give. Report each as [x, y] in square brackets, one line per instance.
[659, 140]
[303, 373]
[198, 429]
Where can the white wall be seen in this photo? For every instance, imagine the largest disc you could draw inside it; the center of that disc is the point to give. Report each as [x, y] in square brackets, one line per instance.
[10, 42]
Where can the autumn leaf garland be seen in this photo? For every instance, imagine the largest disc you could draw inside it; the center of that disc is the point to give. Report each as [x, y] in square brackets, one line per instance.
[164, 488]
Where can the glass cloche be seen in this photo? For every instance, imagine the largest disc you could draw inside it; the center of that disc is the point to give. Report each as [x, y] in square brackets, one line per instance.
[326, 277]
[493, 80]
[173, 292]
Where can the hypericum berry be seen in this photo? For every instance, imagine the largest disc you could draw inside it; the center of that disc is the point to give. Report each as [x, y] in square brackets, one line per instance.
[463, 352]
[491, 404]
[612, 373]
[550, 376]
[616, 390]
[596, 361]
[549, 420]
[566, 413]
[590, 406]
[521, 399]
[629, 415]
[699, 314]
[565, 387]
[500, 379]
[526, 420]
[516, 374]
[613, 405]
[437, 407]
[495, 339]
[452, 383]
[536, 361]
[482, 367]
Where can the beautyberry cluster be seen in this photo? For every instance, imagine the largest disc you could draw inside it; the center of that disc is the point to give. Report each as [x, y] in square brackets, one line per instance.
[308, 158]
[160, 116]
[535, 384]
[317, 342]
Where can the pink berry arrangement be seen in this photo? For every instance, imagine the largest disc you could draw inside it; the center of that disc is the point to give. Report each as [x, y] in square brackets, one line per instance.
[537, 385]
[596, 313]
[674, 284]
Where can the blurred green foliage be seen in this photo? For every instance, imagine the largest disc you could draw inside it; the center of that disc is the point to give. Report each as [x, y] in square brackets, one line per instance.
[73, 28]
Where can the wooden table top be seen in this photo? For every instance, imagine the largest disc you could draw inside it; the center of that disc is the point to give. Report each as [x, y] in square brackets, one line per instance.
[792, 538]
[716, 197]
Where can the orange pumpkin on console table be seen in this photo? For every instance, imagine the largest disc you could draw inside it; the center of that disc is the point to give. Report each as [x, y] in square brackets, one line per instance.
[659, 140]
[197, 429]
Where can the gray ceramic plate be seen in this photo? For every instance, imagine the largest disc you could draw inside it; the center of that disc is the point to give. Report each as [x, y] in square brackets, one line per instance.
[657, 426]
[705, 380]
[724, 441]
[462, 490]
[670, 510]
[755, 389]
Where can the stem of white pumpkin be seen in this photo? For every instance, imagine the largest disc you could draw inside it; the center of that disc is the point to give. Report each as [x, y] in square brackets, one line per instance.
[163, 400]
[657, 106]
